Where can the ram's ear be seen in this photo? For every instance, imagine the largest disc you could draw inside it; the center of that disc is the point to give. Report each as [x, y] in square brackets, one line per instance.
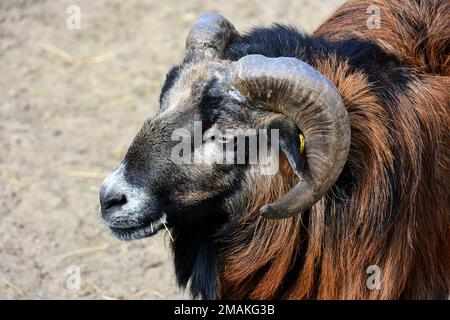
[291, 143]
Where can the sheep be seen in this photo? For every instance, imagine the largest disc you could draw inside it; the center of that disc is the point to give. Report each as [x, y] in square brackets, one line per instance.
[368, 190]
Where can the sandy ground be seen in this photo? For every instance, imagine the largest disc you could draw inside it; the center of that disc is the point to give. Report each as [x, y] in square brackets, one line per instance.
[71, 101]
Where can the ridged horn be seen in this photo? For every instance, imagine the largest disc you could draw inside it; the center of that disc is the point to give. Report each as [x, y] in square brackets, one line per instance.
[210, 36]
[294, 88]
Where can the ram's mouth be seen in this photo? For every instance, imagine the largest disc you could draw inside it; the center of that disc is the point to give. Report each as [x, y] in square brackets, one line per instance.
[139, 232]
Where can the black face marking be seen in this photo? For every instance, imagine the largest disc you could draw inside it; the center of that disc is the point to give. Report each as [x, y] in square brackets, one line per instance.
[187, 193]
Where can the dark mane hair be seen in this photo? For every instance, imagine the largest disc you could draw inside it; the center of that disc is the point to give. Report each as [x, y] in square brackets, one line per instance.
[390, 206]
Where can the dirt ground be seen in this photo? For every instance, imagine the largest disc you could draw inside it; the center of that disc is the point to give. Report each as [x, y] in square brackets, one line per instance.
[71, 101]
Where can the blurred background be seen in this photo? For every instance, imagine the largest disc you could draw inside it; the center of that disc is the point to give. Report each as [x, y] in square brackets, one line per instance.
[71, 102]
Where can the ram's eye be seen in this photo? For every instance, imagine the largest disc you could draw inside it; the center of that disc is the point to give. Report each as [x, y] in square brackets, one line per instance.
[225, 139]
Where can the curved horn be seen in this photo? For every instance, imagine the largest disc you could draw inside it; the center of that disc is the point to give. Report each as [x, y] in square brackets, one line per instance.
[210, 36]
[297, 90]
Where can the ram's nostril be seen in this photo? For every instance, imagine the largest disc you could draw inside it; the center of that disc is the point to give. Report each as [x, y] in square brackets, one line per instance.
[117, 200]
[112, 199]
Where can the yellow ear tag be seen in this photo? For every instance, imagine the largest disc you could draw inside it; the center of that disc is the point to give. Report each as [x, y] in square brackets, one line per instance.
[302, 142]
